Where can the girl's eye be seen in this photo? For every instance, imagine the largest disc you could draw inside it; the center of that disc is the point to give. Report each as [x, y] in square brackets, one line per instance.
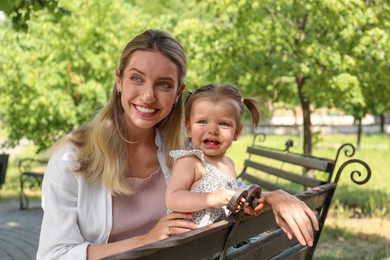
[202, 122]
[224, 124]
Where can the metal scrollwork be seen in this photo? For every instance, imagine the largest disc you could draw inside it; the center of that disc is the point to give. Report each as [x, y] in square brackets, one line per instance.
[258, 138]
[349, 151]
[356, 176]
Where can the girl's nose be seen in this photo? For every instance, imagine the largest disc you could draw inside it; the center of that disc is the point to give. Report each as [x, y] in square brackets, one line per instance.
[213, 130]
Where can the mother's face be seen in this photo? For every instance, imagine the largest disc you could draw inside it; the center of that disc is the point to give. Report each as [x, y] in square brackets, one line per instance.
[149, 88]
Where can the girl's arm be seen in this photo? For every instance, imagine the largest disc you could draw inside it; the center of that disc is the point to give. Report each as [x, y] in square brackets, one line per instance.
[179, 198]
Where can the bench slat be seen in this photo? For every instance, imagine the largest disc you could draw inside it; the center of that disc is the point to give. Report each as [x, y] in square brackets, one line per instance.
[296, 252]
[179, 246]
[304, 161]
[262, 183]
[264, 248]
[300, 179]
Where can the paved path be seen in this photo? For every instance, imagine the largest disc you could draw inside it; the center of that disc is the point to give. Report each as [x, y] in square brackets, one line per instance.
[19, 231]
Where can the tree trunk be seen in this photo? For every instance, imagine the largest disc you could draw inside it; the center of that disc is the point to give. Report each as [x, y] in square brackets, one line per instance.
[382, 123]
[359, 132]
[305, 104]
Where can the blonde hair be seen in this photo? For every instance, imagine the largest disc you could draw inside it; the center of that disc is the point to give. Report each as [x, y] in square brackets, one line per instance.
[227, 93]
[102, 146]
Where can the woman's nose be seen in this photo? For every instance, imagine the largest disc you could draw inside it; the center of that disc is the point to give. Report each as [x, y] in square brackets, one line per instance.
[149, 96]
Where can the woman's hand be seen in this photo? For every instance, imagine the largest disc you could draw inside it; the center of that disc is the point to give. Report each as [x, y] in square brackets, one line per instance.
[293, 216]
[257, 210]
[171, 224]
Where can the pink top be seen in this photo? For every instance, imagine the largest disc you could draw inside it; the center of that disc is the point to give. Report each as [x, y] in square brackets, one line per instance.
[138, 213]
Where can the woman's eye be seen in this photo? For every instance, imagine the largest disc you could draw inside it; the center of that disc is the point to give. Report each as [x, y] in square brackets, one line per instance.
[165, 84]
[136, 78]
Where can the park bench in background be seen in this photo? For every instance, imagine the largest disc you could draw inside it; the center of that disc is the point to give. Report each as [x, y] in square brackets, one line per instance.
[31, 176]
[216, 240]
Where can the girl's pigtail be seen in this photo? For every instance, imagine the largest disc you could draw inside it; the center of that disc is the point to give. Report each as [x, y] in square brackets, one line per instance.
[254, 108]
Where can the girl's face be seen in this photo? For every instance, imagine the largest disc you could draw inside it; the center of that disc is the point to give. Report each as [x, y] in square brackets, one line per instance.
[212, 126]
[149, 89]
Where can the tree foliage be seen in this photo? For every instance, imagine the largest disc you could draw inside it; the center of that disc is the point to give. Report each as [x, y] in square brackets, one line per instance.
[20, 10]
[314, 53]
[55, 75]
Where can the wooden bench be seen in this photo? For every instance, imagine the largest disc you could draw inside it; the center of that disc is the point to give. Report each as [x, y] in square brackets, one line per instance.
[219, 239]
[31, 176]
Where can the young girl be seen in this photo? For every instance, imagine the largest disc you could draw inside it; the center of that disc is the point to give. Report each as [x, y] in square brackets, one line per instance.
[203, 179]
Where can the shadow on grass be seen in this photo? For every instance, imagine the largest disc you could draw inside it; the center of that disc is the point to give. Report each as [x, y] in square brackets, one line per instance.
[368, 201]
[341, 243]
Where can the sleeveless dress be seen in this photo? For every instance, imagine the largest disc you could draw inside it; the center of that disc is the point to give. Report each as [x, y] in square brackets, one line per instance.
[214, 180]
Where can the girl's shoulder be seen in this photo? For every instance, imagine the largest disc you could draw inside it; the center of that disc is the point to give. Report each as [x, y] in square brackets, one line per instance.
[177, 154]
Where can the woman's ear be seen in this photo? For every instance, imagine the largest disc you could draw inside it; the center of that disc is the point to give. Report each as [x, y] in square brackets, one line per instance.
[118, 81]
[179, 92]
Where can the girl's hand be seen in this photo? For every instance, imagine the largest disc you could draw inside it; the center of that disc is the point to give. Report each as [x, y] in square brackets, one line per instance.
[221, 198]
[293, 216]
[171, 224]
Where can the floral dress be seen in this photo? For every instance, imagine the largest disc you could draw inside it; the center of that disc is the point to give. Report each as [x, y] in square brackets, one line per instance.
[214, 180]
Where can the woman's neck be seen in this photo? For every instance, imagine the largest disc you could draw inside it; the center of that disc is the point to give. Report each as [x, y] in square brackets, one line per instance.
[141, 136]
[142, 152]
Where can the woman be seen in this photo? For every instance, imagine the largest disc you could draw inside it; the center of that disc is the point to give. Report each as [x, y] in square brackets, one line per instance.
[104, 186]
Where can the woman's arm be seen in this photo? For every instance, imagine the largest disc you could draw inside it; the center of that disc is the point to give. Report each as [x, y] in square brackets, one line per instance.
[293, 216]
[179, 198]
[60, 235]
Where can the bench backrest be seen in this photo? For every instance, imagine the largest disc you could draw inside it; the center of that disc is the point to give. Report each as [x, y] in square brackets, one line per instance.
[213, 239]
[274, 169]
